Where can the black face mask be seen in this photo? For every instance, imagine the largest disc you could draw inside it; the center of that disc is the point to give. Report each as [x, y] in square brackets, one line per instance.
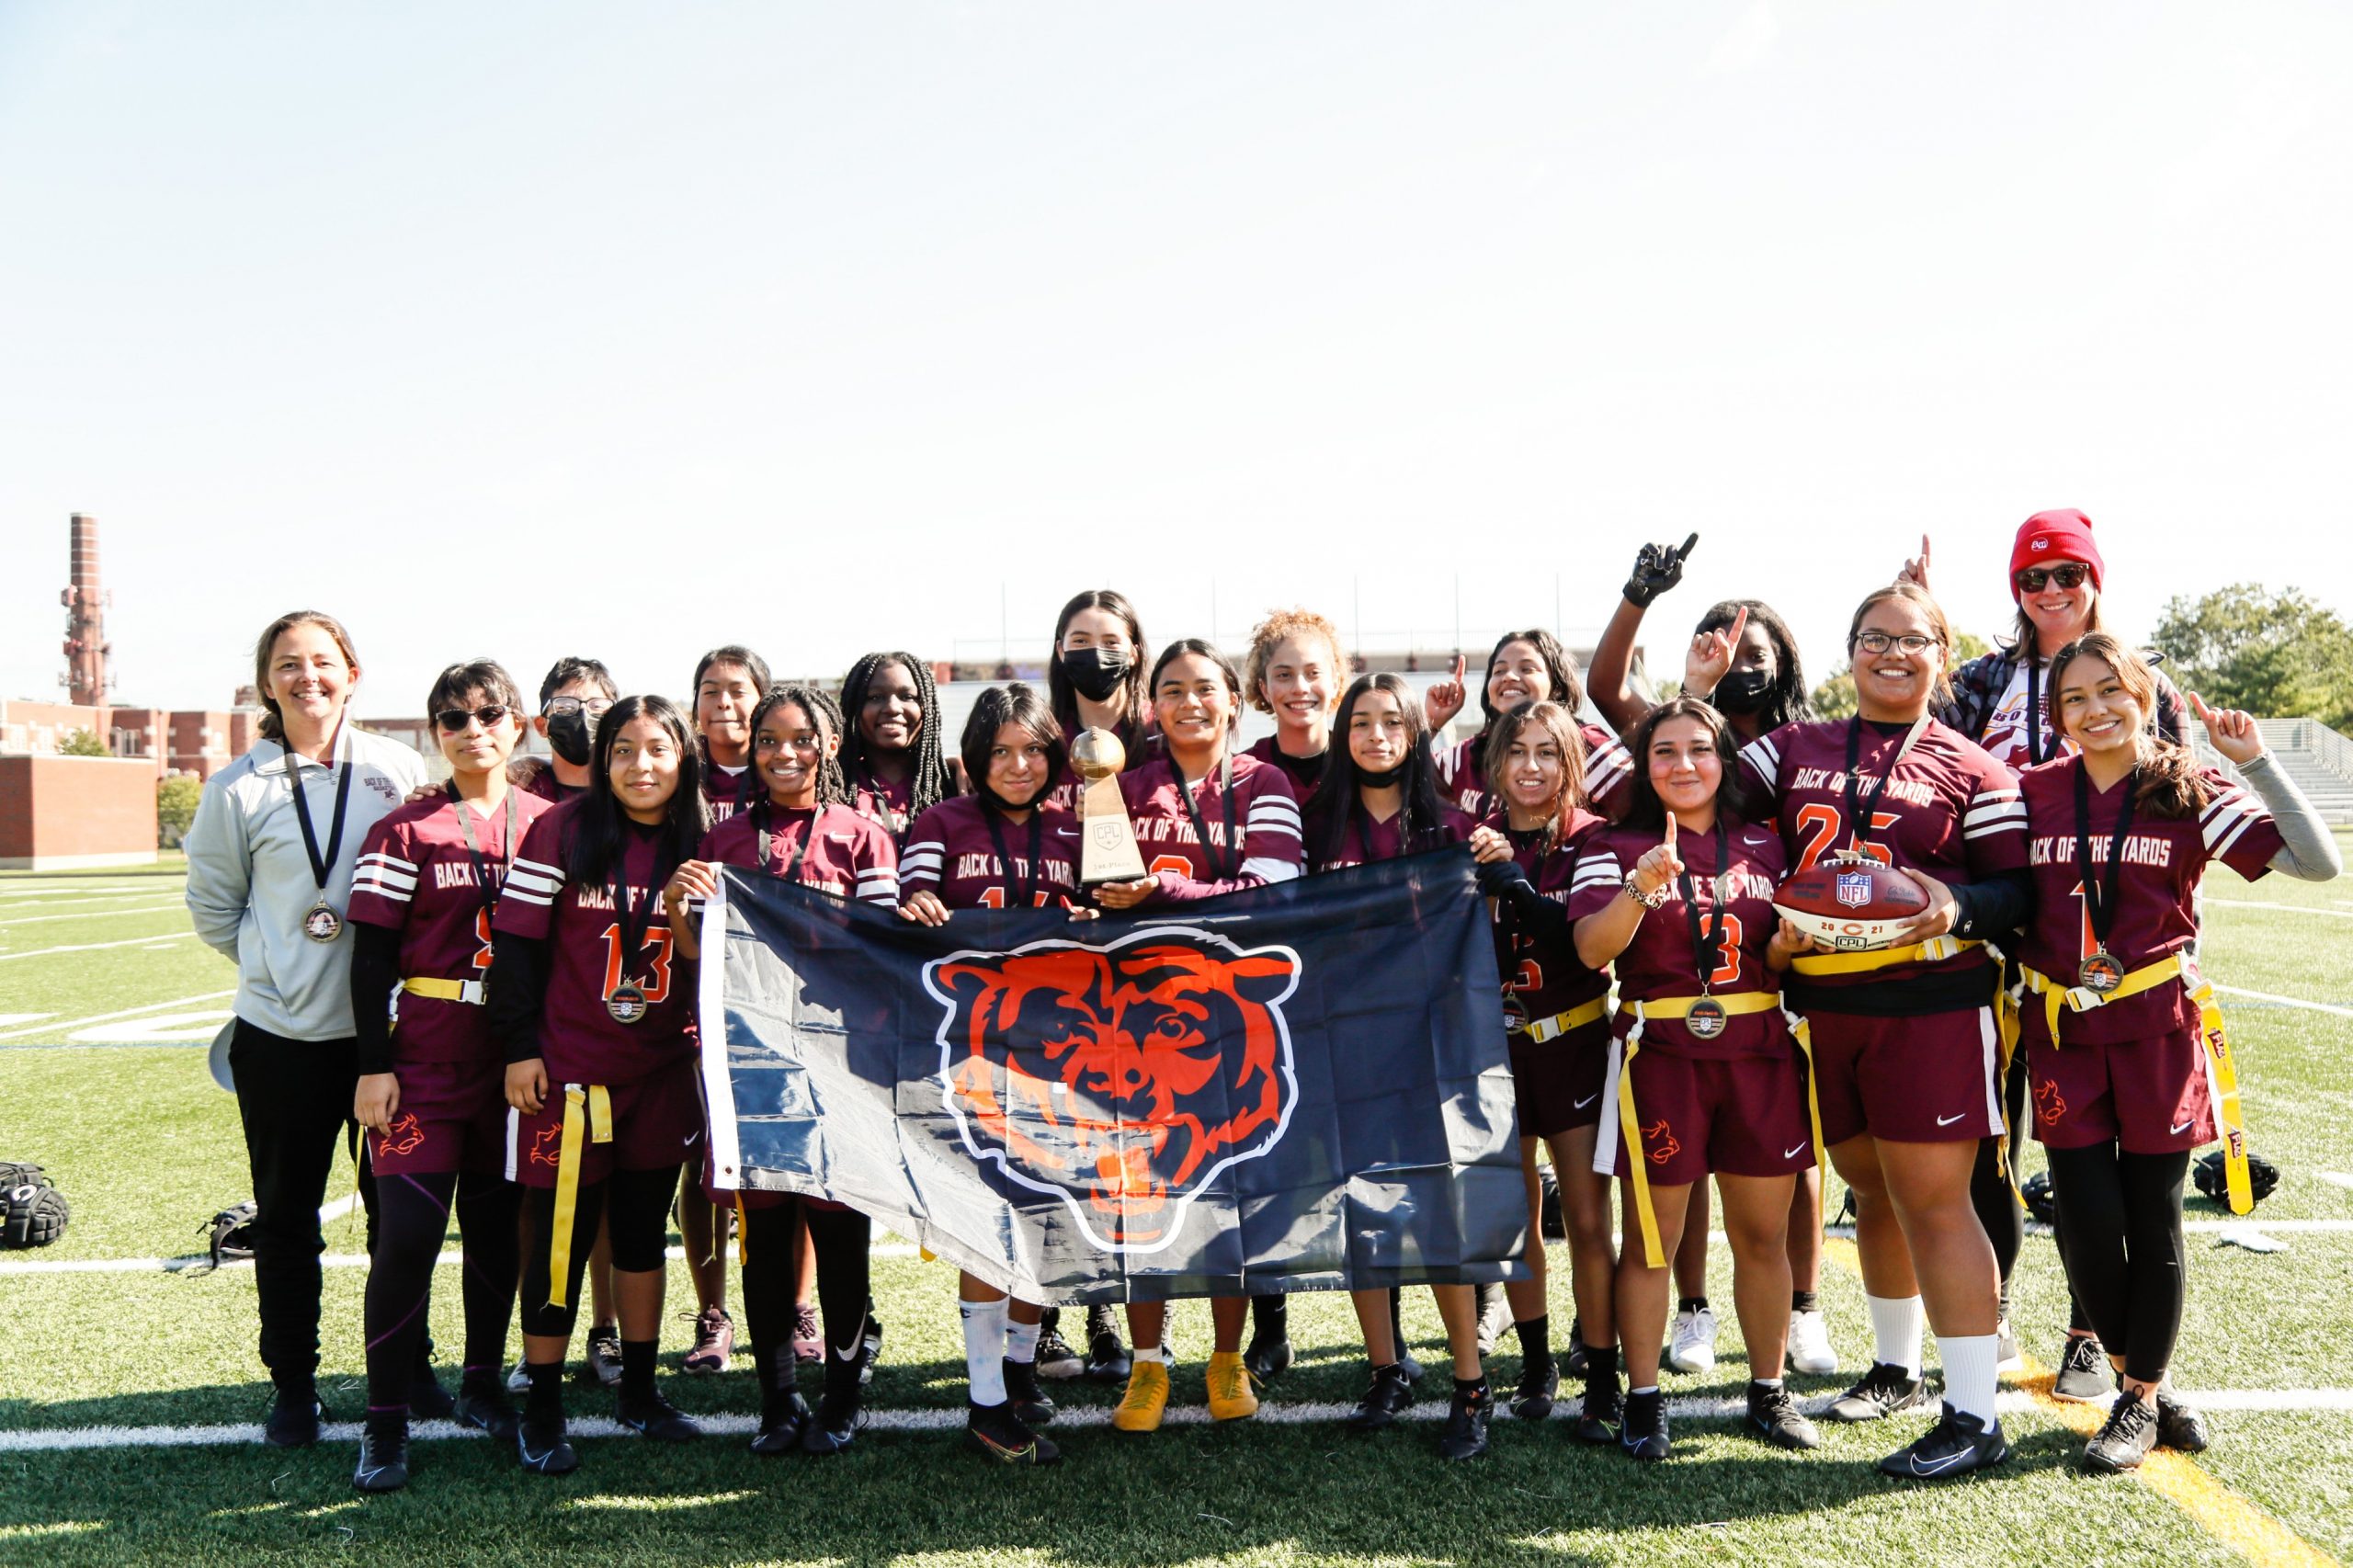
[568, 737]
[1743, 691]
[1381, 780]
[1096, 673]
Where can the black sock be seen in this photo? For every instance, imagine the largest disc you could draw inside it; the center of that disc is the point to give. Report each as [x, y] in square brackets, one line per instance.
[486, 1208]
[1646, 1413]
[1601, 1366]
[842, 1239]
[637, 1368]
[769, 1281]
[414, 1215]
[1397, 1320]
[1475, 1389]
[1534, 1337]
[1691, 1304]
[1805, 1302]
[1271, 1315]
[545, 1399]
[1099, 1320]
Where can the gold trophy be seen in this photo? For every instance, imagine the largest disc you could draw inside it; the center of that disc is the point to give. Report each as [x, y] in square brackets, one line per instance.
[1108, 851]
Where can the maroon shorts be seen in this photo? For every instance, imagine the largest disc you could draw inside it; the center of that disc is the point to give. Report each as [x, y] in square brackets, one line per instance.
[1557, 1085]
[2153, 1096]
[658, 1122]
[452, 1117]
[1931, 1079]
[1699, 1114]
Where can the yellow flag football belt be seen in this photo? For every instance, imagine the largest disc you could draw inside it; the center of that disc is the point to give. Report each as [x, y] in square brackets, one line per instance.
[467, 991]
[587, 1116]
[1539, 1030]
[2058, 999]
[1930, 951]
[1630, 1124]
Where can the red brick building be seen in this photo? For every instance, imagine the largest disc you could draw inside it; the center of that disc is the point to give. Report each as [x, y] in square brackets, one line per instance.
[193, 741]
[61, 812]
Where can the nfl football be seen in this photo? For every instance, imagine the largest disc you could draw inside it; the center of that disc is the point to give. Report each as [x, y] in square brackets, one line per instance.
[1850, 907]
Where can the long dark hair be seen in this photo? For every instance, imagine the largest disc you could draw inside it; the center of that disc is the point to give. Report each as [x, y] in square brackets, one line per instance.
[931, 780]
[1012, 704]
[1559, 669]
[726, 654]
[2171, 788]
[1643, 808]
[1557, 722]
[1337, 802]
[1787, 700]
[1210, 651]
[832, 784]
[1136, 703]
[593, 856]
[273, 722]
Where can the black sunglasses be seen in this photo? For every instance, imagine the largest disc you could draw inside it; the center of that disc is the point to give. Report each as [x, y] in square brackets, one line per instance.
[453, 720]
[2070, 575]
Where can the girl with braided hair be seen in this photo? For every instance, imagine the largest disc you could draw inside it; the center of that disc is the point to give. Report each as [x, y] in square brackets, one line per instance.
[891, 756]
[803, 829]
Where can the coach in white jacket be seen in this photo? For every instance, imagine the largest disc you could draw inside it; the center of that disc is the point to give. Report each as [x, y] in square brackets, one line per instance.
[269, 865]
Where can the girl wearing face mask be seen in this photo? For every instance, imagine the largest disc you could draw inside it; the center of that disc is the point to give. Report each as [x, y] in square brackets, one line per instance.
[1095, 679]
[2117, 1018]
[574, 695]
[1524, 667]
[891, 756]
[1208, 821]
[1005, 845]
[592, 1005]
[803, 829]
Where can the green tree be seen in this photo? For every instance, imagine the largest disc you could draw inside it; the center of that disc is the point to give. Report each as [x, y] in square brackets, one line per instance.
[1834, 698]
[2275, 653]
[176, 799]
[82, 743]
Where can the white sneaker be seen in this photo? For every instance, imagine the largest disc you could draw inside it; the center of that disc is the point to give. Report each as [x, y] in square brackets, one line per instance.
[518, 1380]
[1809, 1349]
[1694, 1346]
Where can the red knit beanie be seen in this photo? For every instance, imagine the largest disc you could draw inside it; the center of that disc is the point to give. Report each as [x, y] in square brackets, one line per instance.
[2063, 535]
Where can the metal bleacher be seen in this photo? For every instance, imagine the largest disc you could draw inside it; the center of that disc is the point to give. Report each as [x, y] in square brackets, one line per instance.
[2318, 758]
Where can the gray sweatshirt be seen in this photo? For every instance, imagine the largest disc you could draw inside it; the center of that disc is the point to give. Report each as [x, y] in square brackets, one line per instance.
[250, 884]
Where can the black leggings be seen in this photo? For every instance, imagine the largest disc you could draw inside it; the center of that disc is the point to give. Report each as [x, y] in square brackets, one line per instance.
[772, 1284]
[1993, 1191]
[639, 1228]
[413, 1214]
[2121, 1241]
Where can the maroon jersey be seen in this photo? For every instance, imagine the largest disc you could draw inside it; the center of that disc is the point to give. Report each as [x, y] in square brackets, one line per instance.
[1735, 909]
[546, 785]
[2156, 891]
[727, 790]
[951, 854]
[1256, 833]
[1949, 810]
[891, 805]
[417, 877]
[1305, 773]
[847, 855]
[1542, 975]
[1368, 841]
[1608, 769]
[580, 1040]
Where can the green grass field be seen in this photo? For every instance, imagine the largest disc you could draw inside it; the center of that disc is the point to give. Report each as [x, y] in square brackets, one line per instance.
[106, 1001]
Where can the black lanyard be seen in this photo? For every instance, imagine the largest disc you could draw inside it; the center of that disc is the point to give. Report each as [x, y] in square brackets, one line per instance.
[490, 889]
[1860, 813]
[637, 918]
[2099, 902]
[1017, 894]
[321, 866]
[1219, 870]
[1704, 937]
[800, 851]
[2034, 752]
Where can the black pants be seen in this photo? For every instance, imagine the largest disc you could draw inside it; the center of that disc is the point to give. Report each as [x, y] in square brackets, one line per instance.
[2120, 1238]
[294, 1097]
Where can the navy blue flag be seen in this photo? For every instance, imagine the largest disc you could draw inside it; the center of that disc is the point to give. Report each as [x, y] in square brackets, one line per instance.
[1295, 1088]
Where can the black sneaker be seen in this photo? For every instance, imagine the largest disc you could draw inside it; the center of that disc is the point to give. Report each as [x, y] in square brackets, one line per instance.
[1644, 1435]
[1385, 1399]
[1106, 1354]
[2084, 1375]
[540, 1444]
[293, 1420]
[831, 1430]
[600, 1362]
[2124, 1439]
[1465, 1437]
[655, 1418]
[1029, 1402]
[1539, 1381]
[483, 1404]
[383, 1455]
[1267, 1356]
[782, 1418]
[1954, 1445]
[1573, 1364]
[1602, 1410]
[2180, 1427]
[427, 1400]
[869, 1349]
[1056, 1360]
[994, 1430]
[1773, 1415]
[1882, 1391]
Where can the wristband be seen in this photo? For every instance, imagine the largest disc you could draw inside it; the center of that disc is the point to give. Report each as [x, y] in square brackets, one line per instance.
[1648, 901]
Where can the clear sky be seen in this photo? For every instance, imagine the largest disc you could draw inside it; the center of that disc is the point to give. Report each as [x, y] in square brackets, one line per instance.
[534, 328]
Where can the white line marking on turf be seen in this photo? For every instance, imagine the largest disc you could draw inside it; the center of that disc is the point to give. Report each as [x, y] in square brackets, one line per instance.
[93, 914]
[96, 947]
[2336, 1178]
[2290, 908]
[126, 1013]
[2191, 1227]
[2287, 1001]
[7, 1018]
[201, 1262]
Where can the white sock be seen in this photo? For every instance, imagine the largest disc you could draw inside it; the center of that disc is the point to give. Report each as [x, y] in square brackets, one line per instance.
[1151, 1353]
[1896, 1325]
[1020, 1340]
[984, 1349]
[1969, 1362]
[1769, 1383]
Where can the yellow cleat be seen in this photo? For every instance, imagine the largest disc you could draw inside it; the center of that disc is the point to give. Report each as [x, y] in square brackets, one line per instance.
[1146, 1400]
[1229, 1379]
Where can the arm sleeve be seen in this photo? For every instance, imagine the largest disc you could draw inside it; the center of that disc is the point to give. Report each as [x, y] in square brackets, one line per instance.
[375, 971]
[2307, 849]
[518, 989]
[1274, 850]
[220, 870]
[1994, 905]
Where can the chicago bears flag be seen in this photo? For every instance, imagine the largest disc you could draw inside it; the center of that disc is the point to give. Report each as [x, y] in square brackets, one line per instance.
[1296, 1088]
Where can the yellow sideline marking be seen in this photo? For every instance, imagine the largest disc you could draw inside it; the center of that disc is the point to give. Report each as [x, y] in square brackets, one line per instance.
[2222, 1513]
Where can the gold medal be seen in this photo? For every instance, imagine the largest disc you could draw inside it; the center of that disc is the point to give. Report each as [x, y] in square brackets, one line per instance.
[2100, 973]
[321, 925]
[627, 1002]
[1706, 1019]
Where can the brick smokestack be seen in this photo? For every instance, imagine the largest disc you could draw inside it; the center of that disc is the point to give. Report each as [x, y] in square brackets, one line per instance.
[89, 669]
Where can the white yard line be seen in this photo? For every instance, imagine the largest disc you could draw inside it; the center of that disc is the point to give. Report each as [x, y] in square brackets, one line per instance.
[93, 914]
[2289, 908]
[108, 1017]
[96, 947]
[2287, 1001]
[201, 1262]
[2336, 1179]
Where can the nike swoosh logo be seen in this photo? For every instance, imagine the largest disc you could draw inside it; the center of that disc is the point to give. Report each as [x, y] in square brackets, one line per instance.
[1949, 1121]
[1791, 1153]
[1932, 1468]
[855, 1346]
[531, 1459]
[1585, 1102]
[2183, 1128]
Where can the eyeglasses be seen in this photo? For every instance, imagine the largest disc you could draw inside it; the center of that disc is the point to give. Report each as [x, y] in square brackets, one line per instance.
[564, 707]
[453, 720]
[1879, 643]
[2069, 575]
